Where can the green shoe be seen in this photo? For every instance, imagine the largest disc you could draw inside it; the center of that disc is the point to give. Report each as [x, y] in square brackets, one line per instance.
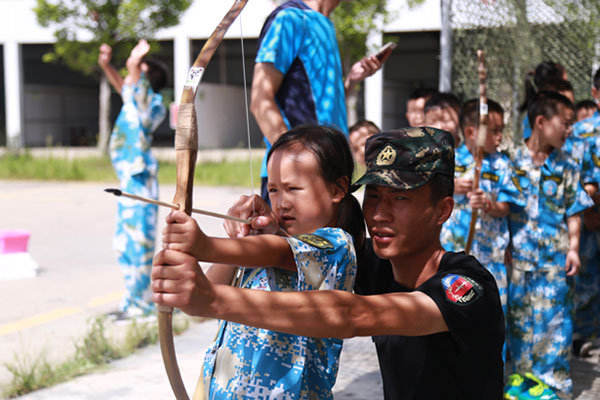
[540, 391]
[516, 385]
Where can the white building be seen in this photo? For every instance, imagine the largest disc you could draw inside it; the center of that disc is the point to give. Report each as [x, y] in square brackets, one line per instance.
[43, 104]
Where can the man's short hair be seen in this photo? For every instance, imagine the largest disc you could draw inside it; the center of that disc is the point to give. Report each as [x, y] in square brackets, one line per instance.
[443, 100]
[441, 186]
[422, 93]
[546, 105]
[469, 113]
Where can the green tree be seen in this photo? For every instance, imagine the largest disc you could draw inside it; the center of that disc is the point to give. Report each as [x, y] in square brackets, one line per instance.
[354, 22]
[119, 23]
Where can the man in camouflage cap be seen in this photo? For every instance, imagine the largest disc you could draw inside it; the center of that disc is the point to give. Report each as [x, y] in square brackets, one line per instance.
[408, 158]
[435, 316]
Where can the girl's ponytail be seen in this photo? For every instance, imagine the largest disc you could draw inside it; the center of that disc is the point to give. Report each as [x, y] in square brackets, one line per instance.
[351, 219]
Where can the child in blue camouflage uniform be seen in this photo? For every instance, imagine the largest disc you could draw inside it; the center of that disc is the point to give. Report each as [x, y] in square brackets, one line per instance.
[136, 168]
[309, 171]
[497, 190]
[545, 250]
[584, 146]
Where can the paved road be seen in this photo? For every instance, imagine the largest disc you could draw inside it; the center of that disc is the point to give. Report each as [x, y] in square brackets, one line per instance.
[71, 226]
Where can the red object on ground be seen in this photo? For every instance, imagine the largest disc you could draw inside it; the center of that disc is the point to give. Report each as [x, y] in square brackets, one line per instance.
[13, 241]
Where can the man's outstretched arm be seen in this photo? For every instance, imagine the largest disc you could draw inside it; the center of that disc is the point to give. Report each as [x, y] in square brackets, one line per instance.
[177, 281]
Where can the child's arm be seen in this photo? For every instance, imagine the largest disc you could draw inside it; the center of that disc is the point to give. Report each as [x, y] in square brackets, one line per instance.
[479, 200]
[133, 64]
[574, 228]
[221, 273]
[113, 76]
[183, 234]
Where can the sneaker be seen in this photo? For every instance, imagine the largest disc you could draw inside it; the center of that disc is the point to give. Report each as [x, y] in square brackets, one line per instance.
[516, 385]
[540, 391]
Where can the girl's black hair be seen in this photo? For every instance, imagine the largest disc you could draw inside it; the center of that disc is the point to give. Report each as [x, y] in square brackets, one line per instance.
[543, 71]
[332, 151]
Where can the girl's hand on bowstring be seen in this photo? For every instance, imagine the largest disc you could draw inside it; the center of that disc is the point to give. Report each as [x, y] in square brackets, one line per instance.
[182, 233]
[254, 208]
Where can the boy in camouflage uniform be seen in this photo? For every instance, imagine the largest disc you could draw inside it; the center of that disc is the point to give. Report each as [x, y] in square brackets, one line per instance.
[136, 168]
[545, 250]
[584, 146]
[497, 190]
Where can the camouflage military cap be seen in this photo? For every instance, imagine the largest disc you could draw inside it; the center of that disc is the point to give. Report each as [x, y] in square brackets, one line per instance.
[407, 158]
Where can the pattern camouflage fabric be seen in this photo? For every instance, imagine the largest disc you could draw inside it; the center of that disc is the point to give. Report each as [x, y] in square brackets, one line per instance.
[540, 330]
[251, 363]
[584, 146]
[553, 191]
[407, 158]
[539, 317]
[491, 234]
[136, 169]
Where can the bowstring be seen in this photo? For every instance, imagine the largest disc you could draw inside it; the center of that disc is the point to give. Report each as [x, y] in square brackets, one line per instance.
[240, 271]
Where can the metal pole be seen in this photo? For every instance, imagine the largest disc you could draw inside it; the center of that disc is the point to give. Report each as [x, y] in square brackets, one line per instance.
[445, 84]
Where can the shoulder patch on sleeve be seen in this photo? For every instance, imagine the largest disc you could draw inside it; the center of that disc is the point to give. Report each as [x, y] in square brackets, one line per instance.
[314, 240]
[460, 289]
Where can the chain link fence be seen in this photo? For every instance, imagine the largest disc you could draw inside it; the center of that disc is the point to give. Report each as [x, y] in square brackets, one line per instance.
[516, 35]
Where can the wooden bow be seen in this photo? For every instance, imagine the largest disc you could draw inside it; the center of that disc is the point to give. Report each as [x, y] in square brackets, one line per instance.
[481, 136]
[186, 147]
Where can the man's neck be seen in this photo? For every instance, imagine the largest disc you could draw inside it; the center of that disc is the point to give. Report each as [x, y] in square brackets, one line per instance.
[325, 7]
[414, 270]
[538, 147]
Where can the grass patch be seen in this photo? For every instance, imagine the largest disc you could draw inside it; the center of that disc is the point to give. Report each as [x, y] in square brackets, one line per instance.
[99, 169]
[94, 350]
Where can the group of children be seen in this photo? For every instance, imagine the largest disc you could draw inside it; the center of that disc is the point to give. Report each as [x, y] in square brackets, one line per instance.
[537, 227]
[531, 200]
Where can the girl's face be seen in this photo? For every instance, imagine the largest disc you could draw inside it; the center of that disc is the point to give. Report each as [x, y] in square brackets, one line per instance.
[302, 200]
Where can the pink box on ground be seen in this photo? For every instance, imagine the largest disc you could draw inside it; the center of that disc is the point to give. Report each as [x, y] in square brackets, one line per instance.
[13, 241]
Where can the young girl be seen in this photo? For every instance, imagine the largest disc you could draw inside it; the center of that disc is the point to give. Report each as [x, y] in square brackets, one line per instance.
[310, 170]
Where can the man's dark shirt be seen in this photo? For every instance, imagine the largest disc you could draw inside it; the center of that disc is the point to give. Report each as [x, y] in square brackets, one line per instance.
[464, 363]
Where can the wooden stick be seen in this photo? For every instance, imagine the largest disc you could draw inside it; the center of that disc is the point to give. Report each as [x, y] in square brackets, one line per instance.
[481, 136]
[118, 192]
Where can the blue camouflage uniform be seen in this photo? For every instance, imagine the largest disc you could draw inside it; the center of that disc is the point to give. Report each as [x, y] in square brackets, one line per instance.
[136, 170]
[584, 146]
[491, 234]
[539, 300]
[251, 363]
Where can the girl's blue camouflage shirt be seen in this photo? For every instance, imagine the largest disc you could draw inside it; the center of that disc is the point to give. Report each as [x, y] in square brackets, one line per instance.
[251, 363]
[491, 234]
[539, 231]
[141, 114]
[136, 169]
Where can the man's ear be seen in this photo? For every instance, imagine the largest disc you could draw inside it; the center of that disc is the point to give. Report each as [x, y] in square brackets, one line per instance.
[595, 92]
[445, 210]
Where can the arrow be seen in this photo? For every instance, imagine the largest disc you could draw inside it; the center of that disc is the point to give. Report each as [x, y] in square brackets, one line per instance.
[118, 192]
